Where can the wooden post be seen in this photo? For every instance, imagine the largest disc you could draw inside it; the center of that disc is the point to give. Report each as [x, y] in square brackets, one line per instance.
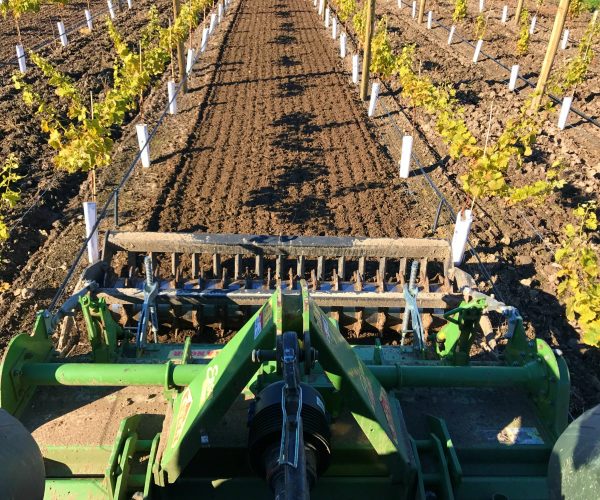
[364, 82]
[518, 12]
[180, 58]
[557, 29]
[421, 11]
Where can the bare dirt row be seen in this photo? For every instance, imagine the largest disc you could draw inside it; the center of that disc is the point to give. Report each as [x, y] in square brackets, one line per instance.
[283, 146]
[45, 243]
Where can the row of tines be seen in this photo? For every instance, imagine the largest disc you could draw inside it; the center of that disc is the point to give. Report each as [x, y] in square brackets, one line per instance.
[281, 268]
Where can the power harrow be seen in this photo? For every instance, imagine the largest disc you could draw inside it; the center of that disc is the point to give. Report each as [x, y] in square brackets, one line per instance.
[216, 366]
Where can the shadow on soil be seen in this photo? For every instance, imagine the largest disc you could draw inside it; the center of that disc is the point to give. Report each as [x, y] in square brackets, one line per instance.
[287, 62]
[292, 193]
[284, 40]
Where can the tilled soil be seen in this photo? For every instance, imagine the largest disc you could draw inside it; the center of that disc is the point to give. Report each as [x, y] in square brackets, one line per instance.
[482, 88]
[283, 146]
[44, 244]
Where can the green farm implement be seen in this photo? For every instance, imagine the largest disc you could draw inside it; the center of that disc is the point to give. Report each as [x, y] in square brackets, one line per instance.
[222, 366]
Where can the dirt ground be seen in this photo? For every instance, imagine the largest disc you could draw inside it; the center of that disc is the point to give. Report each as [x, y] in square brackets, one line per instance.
[314, 167]
[272, 138]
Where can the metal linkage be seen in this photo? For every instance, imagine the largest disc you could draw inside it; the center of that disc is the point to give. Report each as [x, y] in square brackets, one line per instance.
[149, 309]
[414, 268]
[291, 451]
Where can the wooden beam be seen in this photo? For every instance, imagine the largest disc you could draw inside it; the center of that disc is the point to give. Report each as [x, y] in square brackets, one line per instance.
[364, 82]
[555, 36]
[518, 12]
[421, 11]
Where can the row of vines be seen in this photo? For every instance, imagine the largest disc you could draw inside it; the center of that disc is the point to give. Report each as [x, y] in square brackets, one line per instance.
[488, 163]
[79, 127]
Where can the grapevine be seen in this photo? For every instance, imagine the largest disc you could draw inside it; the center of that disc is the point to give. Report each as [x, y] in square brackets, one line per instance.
[576, 69]
[579, 275]
[82, 139]
[151, 31]
[488, 166]
[347, 8]
[8, 196]
[523, 42]
[460, 10]
[383, 60]
[576, 7]
[359, 21]
[480, 26]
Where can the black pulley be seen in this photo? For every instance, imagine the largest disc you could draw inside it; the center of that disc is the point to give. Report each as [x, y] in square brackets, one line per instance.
[265, 432]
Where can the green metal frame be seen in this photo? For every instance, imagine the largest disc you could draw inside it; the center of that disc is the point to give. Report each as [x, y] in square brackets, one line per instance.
[350, 378]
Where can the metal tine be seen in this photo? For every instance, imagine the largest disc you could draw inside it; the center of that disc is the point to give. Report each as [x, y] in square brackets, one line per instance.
[259, 264]
[201, 279]
[358, 324]
[380, 282]
[216, 265]
[320, 267]
[358, 284]
[314, 280]
[278, 267]
[237, 266]
[131, 267]
[342, 268]
[402, 271]
[175, 261]
[291, 278]
[446, 286]
[195, 265]
[247, 279]
[382, 267]
[224, 278]
[423, 279]
[300, 266]
[154, 261]
[381, 321]
[361, 266]
[268, 283]
[176, 269]
[335, 282]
